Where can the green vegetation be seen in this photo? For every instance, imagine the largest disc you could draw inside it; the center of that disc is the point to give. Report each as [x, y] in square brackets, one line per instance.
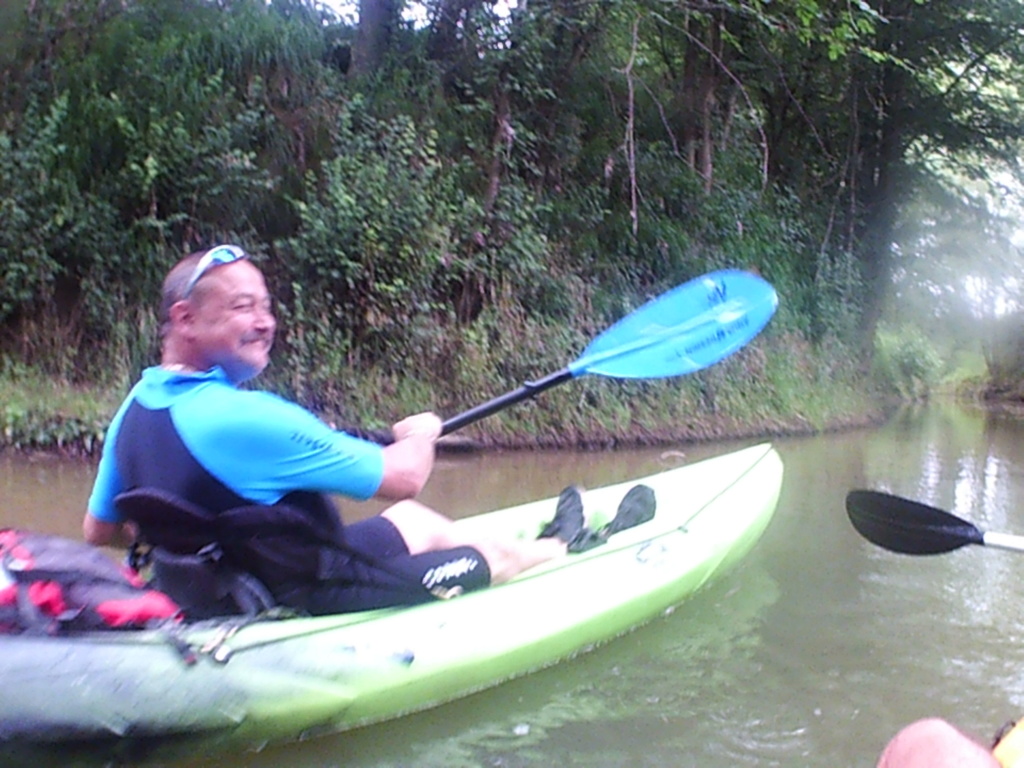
[774, 386]
[446, 211]
[906, 362]
[38, 412]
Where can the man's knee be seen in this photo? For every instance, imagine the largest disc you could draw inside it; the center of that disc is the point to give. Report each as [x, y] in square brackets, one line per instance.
[423, 529]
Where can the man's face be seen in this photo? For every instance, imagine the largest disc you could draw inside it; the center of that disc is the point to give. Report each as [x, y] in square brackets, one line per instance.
[232, 322]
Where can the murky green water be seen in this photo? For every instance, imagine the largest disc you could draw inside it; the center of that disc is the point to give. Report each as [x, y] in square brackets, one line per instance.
[812, 653]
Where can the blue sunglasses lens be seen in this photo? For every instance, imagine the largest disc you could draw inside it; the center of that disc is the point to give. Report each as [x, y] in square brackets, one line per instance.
[215, 257]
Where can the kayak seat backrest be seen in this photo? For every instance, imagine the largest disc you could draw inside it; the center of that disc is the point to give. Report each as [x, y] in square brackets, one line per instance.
[187, 557]
[168, 521]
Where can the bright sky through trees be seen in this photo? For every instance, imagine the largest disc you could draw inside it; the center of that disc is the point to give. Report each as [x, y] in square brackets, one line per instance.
[349, 9]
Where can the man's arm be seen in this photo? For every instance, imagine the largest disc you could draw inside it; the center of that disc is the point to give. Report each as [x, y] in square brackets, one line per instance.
[101, 533]
[409, 460]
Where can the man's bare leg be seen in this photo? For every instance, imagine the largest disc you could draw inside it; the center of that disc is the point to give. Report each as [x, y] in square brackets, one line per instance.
[425, 530]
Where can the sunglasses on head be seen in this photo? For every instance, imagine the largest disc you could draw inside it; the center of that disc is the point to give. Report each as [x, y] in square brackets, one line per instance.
[215, 257]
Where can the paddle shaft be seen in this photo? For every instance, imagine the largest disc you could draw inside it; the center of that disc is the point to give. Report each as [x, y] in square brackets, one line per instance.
[527, 390]
[1004, 541]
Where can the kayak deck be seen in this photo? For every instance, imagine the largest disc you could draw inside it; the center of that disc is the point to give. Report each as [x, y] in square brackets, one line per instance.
[130, 695]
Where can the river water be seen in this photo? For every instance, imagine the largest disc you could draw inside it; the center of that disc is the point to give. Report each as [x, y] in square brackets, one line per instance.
[813, 652]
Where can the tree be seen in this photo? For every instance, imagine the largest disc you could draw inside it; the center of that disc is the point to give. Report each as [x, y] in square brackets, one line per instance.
[932, 81]
[377, 20]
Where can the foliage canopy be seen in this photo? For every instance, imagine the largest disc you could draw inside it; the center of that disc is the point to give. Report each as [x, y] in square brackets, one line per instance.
[453, 193]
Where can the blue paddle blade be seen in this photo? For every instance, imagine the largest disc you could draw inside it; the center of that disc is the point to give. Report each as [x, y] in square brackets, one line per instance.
[684, 330]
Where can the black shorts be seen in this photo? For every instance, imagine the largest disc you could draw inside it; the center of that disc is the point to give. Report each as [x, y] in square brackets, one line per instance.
[381, 573]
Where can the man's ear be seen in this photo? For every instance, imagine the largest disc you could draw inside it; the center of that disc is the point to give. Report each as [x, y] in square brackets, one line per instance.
[181, 313]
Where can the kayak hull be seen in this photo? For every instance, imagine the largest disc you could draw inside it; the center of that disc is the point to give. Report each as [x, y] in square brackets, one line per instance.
[132, 696]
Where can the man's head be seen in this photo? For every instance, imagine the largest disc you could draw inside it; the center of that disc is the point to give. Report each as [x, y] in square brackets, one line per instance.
[215, 310]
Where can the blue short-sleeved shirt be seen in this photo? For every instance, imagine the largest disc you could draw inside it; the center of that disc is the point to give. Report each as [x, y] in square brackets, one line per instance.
[258, 446]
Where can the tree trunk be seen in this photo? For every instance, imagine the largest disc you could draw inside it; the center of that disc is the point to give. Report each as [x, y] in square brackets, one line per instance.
[376, 22]
[699, 96]
[881, 187]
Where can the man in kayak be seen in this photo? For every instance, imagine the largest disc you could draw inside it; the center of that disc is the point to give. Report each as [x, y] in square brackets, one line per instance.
[187, 429]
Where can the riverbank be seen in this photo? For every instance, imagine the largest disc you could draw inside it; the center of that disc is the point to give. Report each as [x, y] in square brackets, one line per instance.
[42, 415]
[700, 429]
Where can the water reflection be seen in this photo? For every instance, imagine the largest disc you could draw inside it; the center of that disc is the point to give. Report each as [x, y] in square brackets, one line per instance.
[812, 653]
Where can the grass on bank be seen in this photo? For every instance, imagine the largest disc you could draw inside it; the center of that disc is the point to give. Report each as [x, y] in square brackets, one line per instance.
[38, 412]
[777, 385]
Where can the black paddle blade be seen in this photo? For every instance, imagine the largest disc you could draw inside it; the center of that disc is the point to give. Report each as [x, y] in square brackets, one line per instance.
[906, 526]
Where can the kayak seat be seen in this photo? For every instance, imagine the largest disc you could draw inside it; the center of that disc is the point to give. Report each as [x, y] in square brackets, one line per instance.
[188, 561]
[205, 586]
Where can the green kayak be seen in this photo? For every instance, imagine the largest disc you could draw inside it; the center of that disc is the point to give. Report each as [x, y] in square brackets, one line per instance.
[134, 696]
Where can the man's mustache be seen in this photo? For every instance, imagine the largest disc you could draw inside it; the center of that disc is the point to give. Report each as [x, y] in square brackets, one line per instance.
[254, 336]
